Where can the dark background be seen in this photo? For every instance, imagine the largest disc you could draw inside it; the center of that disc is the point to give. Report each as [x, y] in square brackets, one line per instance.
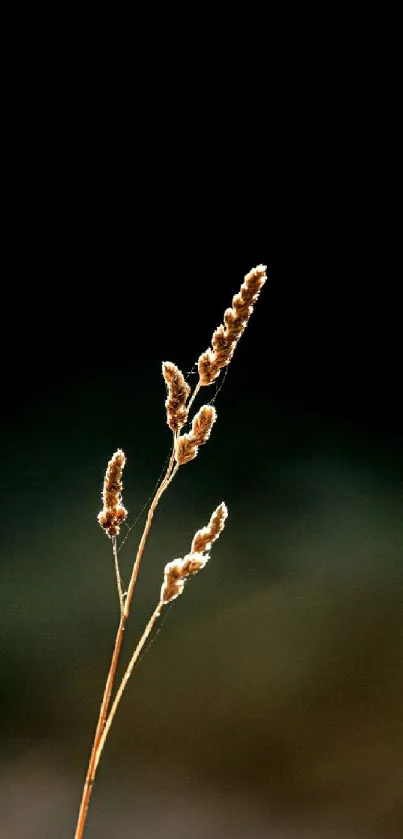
[270, 702]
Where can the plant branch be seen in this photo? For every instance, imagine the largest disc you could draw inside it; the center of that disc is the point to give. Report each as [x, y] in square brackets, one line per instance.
[89, 781]
[125, 680]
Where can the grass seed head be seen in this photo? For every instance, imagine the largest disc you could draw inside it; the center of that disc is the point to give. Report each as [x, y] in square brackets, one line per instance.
[177, 394]
[205, 537]
[227, 335]
[178, 571]
[113, 513]
[187, 446]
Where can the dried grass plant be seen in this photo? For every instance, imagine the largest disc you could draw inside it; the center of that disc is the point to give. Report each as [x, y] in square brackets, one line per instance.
[185, 447]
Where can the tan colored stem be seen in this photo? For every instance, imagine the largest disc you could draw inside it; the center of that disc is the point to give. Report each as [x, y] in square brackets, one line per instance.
[136, 566]
[125, 680]
[194, 394]
[89, 781]
[117, 571]
[92, 766]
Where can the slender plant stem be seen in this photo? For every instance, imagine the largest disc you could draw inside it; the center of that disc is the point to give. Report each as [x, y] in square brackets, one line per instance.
[101, 721]
[194, 394]
[92, 766]
[140, 551]
[125, 680]
[117, 571]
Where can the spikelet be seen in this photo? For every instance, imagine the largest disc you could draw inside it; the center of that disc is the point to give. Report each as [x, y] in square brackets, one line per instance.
[227, 335]
[194, 562]
[177, 393]
[185, 450]
[178, 571]
[113, 513]
[202, 424]
[174, 581]
[187, 446]
[204, 538]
